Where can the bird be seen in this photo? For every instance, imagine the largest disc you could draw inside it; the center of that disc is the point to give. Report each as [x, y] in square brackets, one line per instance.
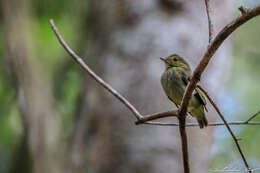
[174, 80]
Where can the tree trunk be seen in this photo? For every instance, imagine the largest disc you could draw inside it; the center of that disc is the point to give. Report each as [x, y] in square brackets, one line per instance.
[39, 118]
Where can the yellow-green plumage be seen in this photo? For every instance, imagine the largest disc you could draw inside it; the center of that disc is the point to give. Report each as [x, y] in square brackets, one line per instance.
[174, 81]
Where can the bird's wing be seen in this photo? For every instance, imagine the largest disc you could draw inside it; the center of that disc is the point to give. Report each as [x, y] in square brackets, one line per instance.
[198, 93]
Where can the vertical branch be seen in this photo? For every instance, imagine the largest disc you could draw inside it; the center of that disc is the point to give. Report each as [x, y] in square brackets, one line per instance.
[184, 143]
[228, 127]
[211, 29]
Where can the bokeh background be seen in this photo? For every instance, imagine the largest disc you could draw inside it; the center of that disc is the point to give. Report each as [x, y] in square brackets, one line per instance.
[55, 118]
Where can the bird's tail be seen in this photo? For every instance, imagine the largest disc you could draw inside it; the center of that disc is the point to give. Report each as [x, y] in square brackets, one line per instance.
[203, 122]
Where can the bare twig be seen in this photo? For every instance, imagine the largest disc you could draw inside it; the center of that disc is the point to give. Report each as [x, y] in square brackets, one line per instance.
[211, 29]
[252, 117]
[93, 74]
[156, 116]
[139, 117]
[196, 124]
[226, 124]
[214, 45]
[247, 122]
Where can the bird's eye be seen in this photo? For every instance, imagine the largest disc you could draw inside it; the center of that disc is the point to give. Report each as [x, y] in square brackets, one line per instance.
[175, 59]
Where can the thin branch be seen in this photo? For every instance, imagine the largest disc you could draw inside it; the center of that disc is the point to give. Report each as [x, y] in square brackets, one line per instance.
[157, 116]
[252, 117]
[93, 74]
[212, 48]
[226, 124]
[247, 122]
[139, 117]
[184, 142]
[196, 124]
[211, 29]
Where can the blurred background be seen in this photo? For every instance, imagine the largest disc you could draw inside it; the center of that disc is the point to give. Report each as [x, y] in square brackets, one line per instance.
[54, 118]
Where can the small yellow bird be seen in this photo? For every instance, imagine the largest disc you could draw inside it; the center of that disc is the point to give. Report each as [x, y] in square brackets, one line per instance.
[174, 81]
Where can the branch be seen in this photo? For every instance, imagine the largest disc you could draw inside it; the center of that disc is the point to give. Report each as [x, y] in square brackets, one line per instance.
[226, 124]
[157, 116]
[252, 117]
[246, 122]
[139, 117]
[212, 48]
[211, 29]
[196, 124]
[93, 74]
[184, 143]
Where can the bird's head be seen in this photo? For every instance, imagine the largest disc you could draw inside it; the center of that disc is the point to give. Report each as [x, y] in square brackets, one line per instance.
[175, 61]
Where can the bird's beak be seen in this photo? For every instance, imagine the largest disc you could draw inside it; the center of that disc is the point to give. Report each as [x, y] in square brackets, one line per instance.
[163, 59]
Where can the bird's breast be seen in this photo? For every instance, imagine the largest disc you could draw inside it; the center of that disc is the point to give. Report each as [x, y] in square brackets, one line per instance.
[173, 85]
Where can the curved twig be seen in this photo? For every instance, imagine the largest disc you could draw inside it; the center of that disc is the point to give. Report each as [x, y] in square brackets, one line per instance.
[93, 74]
[139, 117]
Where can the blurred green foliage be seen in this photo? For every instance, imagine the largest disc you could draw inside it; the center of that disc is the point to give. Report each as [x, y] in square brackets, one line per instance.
[52, 60]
